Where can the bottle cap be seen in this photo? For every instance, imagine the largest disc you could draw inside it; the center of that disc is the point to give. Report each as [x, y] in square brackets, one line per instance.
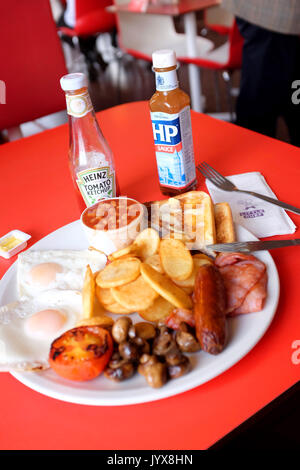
[73, 81]
[164, 58]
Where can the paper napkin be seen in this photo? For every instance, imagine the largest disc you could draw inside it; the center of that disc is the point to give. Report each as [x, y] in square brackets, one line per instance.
[257, 216]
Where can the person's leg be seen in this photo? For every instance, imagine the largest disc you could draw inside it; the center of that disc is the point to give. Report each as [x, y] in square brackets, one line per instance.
[265, 78]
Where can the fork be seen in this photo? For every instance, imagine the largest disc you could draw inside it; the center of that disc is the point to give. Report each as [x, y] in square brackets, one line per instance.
[223, 183]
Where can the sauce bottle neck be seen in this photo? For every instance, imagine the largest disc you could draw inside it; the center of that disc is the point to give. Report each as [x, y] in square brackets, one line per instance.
[166, 79]
[78, 102]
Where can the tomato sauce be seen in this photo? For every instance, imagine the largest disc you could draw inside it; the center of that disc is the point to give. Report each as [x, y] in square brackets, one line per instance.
[112, 214]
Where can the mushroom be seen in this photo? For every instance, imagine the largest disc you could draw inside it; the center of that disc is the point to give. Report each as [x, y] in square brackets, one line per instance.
[120, 329]
[174, 357]
[177, 364]
[129, 350]
[142, 344]
[132, 332]
[164, 342]
[145, 330]
[119, 369]
[186, 341]
[155, 372]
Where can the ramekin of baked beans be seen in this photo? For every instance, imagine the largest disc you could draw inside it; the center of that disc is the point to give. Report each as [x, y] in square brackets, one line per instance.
[113, 223]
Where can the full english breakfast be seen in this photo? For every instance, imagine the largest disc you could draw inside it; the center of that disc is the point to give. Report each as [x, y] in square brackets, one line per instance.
[75, 308]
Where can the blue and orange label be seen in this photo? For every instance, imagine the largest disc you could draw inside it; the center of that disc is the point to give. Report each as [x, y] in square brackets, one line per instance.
[174, 155]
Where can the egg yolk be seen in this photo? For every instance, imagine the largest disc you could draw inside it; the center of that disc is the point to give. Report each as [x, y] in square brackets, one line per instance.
[45, 323]
[45, 273]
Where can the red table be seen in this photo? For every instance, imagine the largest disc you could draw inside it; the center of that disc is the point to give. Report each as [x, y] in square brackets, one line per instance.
[37, 197]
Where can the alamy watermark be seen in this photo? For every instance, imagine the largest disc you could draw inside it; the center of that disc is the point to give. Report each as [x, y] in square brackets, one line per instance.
[296, 354]
[2, 92]
[296, 93]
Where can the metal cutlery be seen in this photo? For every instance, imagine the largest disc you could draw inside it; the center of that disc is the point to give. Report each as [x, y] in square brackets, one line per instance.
[247, 247]
[223, 183]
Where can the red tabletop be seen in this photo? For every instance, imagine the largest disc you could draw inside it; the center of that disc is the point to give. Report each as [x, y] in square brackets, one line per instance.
[37, 197]
[182, 7]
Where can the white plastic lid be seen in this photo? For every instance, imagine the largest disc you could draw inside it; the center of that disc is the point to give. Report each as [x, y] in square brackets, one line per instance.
[164, 58]
[73, 81]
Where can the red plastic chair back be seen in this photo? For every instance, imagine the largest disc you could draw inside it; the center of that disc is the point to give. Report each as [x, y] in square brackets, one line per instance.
[84, 7]
[236, 42]
[91, 18]
[218, 19]
[234, 58]
[32, 62]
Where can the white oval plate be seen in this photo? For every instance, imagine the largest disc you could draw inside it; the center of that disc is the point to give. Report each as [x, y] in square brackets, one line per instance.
[244, 333]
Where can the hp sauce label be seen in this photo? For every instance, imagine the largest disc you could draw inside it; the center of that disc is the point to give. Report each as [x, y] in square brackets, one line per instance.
[174, 148]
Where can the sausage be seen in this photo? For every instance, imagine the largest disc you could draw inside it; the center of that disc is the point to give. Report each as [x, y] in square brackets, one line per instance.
[210, 309]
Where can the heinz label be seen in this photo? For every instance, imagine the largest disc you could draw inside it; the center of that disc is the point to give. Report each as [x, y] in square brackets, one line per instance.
[174, 148]
[96, 184]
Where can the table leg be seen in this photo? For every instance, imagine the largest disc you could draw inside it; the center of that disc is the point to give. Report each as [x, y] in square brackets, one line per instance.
[190, 28]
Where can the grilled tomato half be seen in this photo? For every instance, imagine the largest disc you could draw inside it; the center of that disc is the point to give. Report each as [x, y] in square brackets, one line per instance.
[81, 353]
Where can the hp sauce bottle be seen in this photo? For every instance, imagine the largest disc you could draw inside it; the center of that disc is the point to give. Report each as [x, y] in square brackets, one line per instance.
[172, 130]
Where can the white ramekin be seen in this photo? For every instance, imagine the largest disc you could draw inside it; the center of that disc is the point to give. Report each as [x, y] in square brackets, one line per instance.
[109, 241]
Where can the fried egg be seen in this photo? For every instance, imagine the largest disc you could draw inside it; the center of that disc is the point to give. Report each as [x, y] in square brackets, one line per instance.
[28, 327]
[39, 271]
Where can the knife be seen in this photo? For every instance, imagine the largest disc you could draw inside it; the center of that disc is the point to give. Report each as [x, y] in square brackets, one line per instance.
[247, 247]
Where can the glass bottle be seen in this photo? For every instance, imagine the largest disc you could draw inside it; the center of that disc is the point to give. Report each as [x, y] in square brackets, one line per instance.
[172, 130]
[90, 157]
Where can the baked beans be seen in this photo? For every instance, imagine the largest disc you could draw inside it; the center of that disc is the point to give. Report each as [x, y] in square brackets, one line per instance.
[111, 214]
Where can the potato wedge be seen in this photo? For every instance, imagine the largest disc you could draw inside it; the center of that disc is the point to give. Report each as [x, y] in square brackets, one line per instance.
[119, 272]
[165, 287]
[88, 293]
[154, 261]
[137, 295]
[99, 309]
[100, 320]
[176, 259]
[160, 309]
[146, 243]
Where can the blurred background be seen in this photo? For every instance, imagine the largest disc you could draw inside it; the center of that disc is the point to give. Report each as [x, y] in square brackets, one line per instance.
[43, 39]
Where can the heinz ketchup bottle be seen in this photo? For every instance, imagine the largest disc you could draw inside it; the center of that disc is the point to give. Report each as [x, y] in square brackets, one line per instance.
[90, 157]
[172, 130]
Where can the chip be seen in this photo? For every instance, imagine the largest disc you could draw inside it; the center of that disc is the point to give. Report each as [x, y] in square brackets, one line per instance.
[101, 320]
[137, 295]
[165, 287]
[159, 310]
[146, 243]
[104, 295]
[176, 259]
[115, 307]
[154, 261]
[198, 260]
[119, 272]
[187, 290]
[122, 252]
[203, 257]
[88, 293]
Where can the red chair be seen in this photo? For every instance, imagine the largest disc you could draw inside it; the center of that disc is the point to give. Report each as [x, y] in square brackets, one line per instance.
[225, 58]
[91, 19]
[218, 19]
[32, 62]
